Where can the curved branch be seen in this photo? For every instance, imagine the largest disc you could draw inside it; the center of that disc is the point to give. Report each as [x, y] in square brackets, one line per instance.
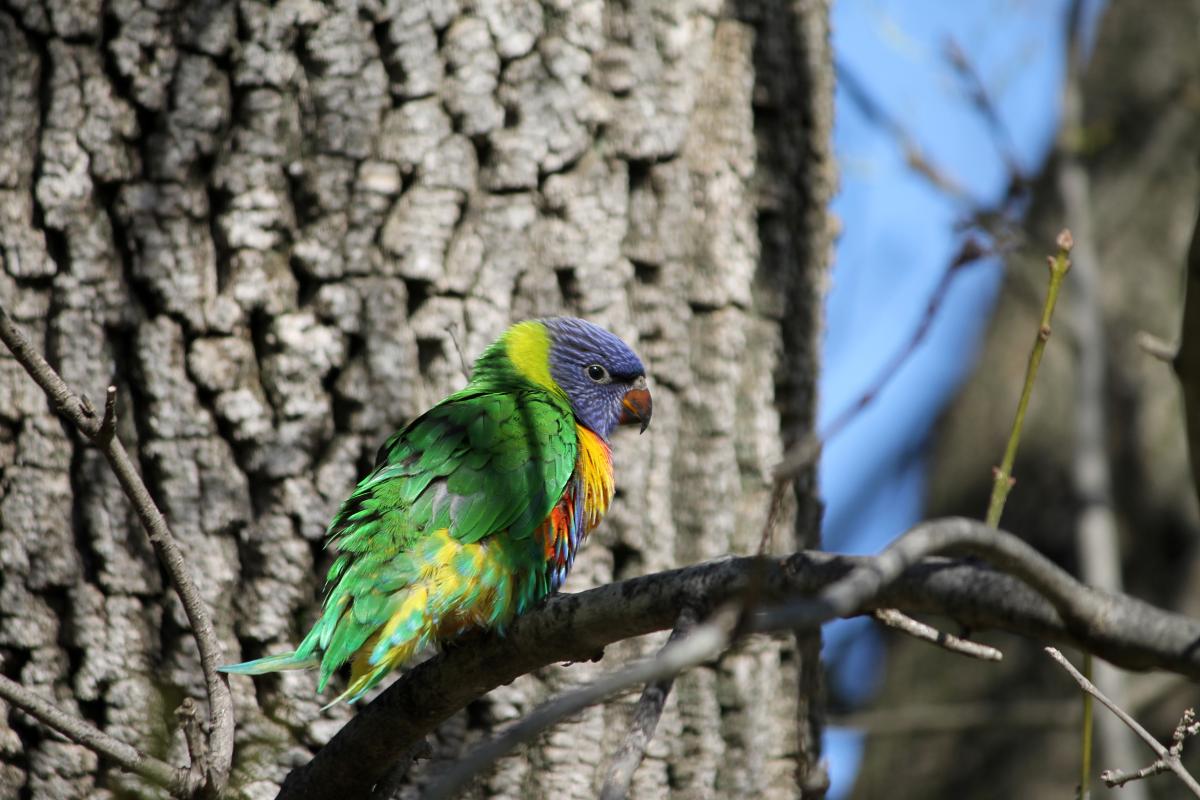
[577, 627]
[100, 431]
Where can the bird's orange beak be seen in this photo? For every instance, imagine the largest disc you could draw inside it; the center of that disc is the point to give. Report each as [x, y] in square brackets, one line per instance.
[637, 405]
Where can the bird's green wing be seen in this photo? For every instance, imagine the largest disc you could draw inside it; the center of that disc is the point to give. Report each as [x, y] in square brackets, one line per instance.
[477, 464]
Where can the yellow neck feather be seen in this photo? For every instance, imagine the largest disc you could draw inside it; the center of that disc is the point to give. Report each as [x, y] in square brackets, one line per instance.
[596, 470]
[528, 348]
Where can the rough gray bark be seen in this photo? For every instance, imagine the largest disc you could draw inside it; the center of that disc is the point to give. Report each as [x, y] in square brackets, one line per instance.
[269, 225]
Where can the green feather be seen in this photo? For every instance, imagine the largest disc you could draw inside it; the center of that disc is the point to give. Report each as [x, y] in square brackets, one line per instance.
[262, 666]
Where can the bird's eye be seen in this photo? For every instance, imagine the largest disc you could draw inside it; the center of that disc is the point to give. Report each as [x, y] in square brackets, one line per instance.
[598, 373]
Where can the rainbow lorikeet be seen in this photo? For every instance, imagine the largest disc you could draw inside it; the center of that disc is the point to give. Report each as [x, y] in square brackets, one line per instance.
[475, 510]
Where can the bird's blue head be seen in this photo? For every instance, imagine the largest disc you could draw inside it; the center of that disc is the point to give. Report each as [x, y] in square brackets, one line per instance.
[603, 379]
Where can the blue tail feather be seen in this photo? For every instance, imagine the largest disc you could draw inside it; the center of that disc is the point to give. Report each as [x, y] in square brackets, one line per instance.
[262, 666]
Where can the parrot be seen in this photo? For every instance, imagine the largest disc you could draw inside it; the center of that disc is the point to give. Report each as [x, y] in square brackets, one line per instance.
[474, 511]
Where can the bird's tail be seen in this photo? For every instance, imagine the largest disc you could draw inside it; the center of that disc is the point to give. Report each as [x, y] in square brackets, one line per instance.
[411, 628]
[382, 619]
[261, 666]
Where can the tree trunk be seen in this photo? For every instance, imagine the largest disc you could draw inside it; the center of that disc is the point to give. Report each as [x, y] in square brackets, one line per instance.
[280, 230]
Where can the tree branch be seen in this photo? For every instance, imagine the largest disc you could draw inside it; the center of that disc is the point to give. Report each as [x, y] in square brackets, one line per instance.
[174, 779]
[861, 97]
[101, 432]
[982, 100]
[927, 633]
[808, 448]
[1169, 759]
[1187, 727]
[575, 627]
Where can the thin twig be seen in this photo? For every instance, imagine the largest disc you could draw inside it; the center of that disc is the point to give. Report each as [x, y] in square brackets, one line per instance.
[981, 98]
[1187, 727]
[1003, 483]
[462, 358]
[875, 112]
[173, 779]
[1074, 602]
[1114, 778]
[108, 424]
[99, 431]
[645, 719]
[1169, 759]
[995, 220]
[774, 507]
[805, 452]
[899, 621]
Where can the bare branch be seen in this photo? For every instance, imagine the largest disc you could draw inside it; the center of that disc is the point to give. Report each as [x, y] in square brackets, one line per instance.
[857, 92]
[981, 98]
[899, 621]
[101, 433]
[574, 627]
[1114, 777]
[645, 720]
[1169, 758]
[174, 779]
[463, 364]
[774, 508]
[194, 738]
[108, 424]
[1186, 728]
[805, 451]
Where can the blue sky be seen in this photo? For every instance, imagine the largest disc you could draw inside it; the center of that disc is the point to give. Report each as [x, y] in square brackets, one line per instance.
[898, 235]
